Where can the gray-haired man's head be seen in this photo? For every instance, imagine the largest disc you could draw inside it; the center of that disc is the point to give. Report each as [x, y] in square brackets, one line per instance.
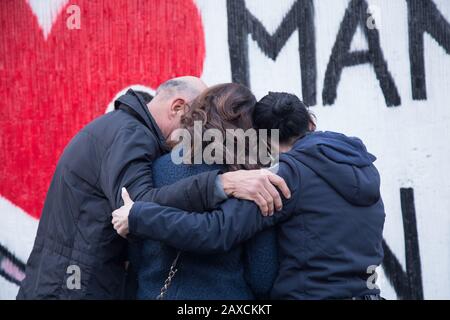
[171, 100]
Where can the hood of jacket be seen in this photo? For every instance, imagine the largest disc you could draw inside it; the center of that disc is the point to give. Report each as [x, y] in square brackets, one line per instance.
[343, 162]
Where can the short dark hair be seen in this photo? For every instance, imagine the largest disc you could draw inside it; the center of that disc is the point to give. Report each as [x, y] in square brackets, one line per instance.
[175, 85]
[170, 84]
[285, 112]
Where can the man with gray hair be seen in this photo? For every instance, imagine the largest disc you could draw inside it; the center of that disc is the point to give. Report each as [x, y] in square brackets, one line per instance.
[77, 254]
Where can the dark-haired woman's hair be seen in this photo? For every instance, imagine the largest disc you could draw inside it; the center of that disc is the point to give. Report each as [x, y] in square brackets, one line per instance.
[285, 112]
[222, 107]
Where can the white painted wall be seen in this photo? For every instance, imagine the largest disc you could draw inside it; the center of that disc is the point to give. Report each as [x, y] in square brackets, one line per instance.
[410, 141]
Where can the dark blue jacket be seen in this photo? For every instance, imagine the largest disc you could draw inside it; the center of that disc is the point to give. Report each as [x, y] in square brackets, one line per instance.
[330, 230]
[247, 271]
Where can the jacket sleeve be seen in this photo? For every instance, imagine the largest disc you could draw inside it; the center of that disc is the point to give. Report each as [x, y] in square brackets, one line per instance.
[128, 163]
[209, 232]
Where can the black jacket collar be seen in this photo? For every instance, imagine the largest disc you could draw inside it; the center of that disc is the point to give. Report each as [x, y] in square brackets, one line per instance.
[133, 104]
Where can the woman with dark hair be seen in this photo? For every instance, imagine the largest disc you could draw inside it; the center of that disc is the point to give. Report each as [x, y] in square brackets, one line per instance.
[329, 231]
[286, 113]
[339, 218]
[245, 272]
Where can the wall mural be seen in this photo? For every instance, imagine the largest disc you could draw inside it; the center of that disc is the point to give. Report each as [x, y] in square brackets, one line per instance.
[377, 69]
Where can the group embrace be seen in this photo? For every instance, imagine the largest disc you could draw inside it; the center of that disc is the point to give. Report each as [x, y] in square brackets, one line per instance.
[124, 218]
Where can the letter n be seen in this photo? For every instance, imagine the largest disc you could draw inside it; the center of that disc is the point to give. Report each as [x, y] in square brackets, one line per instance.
[407, 285]
[423, 16]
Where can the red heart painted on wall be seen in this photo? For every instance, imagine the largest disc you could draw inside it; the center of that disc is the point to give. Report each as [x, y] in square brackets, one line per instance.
[52, 87]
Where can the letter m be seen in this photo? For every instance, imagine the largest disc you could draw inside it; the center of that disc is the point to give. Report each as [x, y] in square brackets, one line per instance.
[300, 17]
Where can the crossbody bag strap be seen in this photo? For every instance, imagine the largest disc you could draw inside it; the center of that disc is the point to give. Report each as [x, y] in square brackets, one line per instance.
[173, 270]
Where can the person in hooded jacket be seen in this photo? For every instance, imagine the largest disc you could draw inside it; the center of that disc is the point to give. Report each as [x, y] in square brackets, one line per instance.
[329, 231]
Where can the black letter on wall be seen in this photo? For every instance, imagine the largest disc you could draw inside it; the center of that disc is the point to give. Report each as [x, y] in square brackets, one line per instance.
[241, 23]
[407, 285]
[423, 16]
[341, 56]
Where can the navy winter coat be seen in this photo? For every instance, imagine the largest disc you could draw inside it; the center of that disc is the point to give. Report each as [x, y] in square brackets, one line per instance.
[330, 230]
[75, 231]
[247, 271]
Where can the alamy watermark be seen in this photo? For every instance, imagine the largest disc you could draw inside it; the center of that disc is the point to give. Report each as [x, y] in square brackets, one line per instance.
[232, 147]
[73, 21]
[73, 281]
[374, 19]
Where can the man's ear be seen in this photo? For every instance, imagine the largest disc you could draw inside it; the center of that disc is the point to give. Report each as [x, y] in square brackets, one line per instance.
[178, 105]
